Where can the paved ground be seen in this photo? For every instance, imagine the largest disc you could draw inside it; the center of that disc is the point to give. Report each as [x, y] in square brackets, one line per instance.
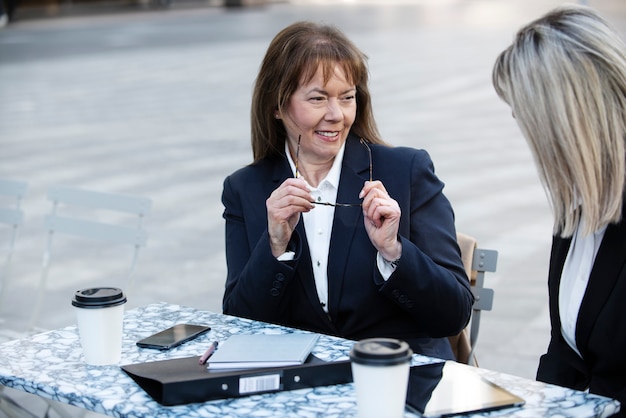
[155, 103]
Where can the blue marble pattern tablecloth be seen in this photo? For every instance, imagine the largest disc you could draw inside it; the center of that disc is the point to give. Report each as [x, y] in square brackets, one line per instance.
[51, 365]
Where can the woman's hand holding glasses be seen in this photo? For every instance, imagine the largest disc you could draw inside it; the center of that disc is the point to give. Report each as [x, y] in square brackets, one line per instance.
[381, 216]
[284, 206]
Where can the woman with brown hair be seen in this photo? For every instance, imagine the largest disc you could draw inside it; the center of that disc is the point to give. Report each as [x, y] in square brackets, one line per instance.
[330, 229]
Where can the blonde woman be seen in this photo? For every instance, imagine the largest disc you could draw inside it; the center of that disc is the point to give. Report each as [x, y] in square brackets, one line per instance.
[564, 77]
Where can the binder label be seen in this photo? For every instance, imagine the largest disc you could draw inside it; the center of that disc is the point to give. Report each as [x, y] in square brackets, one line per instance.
[254, 384]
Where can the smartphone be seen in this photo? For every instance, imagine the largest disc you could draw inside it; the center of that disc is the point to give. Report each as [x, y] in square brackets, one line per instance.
[173, 336]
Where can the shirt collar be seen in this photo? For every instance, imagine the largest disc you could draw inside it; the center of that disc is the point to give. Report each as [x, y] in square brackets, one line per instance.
[335, 171]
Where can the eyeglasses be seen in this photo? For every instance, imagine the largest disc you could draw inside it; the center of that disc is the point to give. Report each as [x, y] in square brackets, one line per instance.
[369, 152]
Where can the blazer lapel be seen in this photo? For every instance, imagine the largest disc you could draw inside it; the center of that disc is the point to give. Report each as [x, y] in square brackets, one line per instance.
[281, 172]
[354, 172]
[305, 266]
[604, 274]
[560, 248]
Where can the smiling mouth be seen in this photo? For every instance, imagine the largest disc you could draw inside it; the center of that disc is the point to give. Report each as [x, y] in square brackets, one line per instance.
[328, 134]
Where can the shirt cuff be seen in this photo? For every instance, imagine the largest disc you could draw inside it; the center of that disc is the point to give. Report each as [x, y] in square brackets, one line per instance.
[386, 268]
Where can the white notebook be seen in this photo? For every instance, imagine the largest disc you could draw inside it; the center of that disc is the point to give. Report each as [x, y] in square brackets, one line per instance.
[242, 351]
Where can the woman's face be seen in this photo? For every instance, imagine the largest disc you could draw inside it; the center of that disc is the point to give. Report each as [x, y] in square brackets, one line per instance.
[322, 115]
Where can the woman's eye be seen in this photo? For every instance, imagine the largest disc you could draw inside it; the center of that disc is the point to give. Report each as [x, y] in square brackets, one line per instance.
[317, 99]
[349, 98]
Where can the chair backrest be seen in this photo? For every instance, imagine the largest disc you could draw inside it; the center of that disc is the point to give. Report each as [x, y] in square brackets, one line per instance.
[68, 199]
[139, 206]
[11, 193]
[477, 261]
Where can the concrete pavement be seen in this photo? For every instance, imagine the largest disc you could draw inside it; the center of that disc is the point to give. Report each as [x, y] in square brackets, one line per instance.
[156, 103]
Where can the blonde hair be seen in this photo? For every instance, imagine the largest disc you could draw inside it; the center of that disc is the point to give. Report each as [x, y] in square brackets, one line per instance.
[564, 77]
[294, 55]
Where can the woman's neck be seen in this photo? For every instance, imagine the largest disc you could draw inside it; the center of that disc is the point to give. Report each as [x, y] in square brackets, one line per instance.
[315, 173]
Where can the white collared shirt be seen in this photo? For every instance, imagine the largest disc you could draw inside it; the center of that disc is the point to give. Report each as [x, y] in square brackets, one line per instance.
[574, 280]
[318, 225]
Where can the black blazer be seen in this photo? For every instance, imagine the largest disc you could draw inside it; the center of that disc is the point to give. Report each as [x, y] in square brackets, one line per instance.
[601, 325]
[428, 296]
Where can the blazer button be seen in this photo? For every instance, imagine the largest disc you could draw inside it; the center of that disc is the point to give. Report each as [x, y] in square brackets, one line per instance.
[395, 293]
[409, 304]
[274, 292]
[402, 299]
[280, 277]
[277, 284]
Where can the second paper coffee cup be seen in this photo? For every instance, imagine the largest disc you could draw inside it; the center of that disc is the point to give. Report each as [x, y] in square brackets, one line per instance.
[380, 370]
[100, 318]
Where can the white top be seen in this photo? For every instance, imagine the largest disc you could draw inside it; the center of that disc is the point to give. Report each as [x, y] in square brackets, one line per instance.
[318, 225]
[574, 280]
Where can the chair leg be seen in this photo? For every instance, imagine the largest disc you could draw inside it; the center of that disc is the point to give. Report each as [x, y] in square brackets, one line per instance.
[474, 327]
[12, 408]
[42, 285]
[6, 271]
[59, 411]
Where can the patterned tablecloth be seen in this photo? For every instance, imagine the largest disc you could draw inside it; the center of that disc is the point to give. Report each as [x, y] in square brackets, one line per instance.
[51, 365]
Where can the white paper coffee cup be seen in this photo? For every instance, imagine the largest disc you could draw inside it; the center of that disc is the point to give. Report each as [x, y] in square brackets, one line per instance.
[380, 371]
[100, 318]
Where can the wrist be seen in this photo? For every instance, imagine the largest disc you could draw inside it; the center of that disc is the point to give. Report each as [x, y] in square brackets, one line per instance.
[394, 263]
[281, 249]
[393, 257]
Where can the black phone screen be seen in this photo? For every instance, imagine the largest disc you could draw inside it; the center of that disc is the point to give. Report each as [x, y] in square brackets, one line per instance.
[173, 336]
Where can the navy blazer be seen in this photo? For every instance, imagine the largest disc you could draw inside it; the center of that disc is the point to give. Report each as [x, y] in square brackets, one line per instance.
[601, 324]
[427, 297]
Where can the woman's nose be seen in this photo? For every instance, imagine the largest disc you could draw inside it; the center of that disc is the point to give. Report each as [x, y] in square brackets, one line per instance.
[334, 110]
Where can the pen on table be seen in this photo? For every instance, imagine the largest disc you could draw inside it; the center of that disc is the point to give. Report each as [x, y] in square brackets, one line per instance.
[208, 352]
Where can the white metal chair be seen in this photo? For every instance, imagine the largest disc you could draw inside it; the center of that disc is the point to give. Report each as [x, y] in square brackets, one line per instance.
[11, 214]
[13, 191]
[68, 199]
[477, 261]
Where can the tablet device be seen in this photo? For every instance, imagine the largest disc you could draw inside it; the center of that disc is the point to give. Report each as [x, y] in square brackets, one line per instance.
[450, 388]
[173, 336]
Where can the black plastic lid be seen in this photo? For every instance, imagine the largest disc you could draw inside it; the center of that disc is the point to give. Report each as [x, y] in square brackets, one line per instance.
[98, 297]
[381, 352]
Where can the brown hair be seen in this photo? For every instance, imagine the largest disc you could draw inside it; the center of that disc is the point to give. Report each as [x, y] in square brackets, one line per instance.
[294, 55]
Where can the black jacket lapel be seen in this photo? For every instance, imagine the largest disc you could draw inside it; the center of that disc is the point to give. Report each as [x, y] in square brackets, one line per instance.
[354, 172]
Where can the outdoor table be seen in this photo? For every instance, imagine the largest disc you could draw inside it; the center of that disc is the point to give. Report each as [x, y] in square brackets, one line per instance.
[51, 365]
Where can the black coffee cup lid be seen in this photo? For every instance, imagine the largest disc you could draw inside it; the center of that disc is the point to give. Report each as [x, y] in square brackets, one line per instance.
[380, 352]
[98, 297]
